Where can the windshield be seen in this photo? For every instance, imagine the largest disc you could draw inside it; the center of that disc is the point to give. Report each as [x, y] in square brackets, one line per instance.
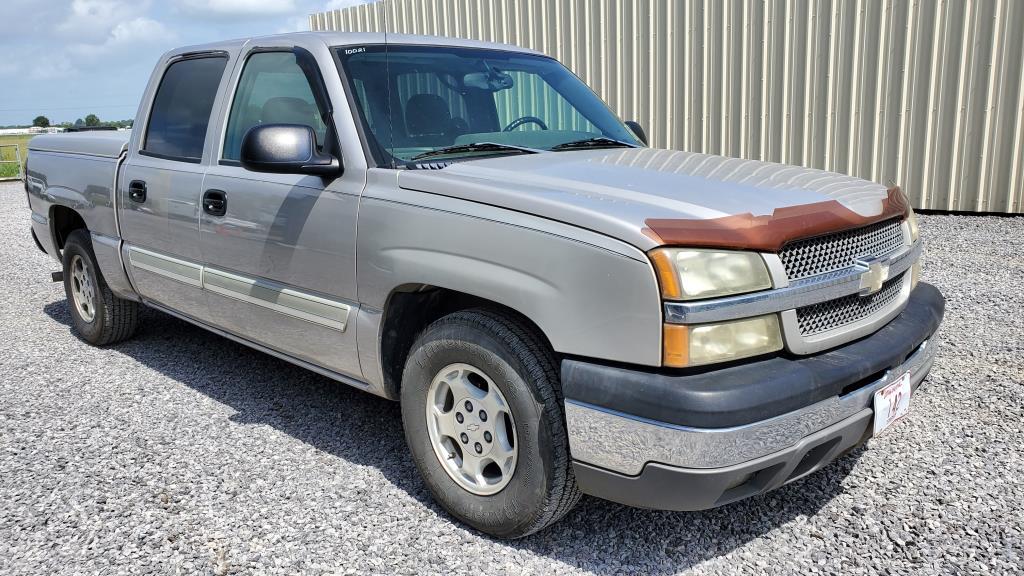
[417, 101]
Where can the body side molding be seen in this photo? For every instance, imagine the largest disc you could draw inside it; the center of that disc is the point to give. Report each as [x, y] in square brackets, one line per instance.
[257, 291]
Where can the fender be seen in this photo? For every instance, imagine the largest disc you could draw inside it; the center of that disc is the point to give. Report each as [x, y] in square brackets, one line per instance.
[587, 299]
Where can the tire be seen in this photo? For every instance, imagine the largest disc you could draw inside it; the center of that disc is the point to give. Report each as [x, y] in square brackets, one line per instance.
[540, 488]
[99, 317]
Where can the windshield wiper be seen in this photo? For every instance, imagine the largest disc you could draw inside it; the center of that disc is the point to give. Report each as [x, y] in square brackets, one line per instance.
[476, 147]
[596, 142]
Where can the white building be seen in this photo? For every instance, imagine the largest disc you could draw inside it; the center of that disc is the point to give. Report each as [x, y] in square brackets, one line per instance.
[926, 94]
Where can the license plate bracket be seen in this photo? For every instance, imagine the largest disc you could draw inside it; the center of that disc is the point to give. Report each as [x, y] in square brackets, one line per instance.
[892, 402]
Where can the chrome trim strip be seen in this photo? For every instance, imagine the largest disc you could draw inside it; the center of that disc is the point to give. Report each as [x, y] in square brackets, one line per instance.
[278, 298]
[166, 266]
[804, 292]
[625, 443]
[264, 293]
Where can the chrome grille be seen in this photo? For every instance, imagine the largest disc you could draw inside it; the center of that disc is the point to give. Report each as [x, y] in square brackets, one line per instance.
[825, 316]
[813, 256]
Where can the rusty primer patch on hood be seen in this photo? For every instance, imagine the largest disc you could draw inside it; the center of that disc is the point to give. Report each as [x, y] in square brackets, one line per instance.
[769, 233]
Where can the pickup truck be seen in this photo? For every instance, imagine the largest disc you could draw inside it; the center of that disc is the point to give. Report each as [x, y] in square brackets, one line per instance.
[467, 229]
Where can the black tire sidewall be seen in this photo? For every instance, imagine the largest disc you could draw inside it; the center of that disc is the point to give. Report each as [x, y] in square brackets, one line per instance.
[90, 331]
[516, 508]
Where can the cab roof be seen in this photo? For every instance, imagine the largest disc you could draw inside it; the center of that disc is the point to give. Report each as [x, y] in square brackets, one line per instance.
[332, 39]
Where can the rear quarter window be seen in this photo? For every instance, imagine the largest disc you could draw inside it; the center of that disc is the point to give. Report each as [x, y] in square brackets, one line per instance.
[181, 109]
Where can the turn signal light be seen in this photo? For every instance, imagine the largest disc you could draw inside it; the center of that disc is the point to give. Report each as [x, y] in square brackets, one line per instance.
[677, 346]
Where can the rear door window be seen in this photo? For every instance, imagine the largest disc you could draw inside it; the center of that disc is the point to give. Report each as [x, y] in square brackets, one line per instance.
[181, 109]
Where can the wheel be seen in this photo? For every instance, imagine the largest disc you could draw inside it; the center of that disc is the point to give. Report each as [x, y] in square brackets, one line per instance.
[98, 315]
[483, 417]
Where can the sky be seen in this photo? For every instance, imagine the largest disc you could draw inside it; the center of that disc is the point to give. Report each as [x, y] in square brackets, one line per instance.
[65, 59]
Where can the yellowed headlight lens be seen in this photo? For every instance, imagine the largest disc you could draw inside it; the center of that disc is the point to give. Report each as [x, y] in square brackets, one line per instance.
[708, 343]
[915, 274]
[915, 232]
[690, 274]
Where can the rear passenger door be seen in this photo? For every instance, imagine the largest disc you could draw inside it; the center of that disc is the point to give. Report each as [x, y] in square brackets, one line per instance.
[161, 182]
[280, 248]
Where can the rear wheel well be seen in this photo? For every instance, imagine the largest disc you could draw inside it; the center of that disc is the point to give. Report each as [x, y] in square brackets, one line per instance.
[410, 309]
[64, 221]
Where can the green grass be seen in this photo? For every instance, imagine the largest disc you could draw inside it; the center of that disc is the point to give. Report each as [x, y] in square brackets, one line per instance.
[8, 170]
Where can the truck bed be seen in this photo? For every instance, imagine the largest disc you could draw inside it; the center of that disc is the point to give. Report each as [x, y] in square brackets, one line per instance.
[101, 143]
[78, 171]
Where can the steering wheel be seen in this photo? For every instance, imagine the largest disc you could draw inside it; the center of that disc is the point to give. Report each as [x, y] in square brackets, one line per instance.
[525, 120]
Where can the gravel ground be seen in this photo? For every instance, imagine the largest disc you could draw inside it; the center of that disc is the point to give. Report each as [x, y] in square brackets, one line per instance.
[180, 452]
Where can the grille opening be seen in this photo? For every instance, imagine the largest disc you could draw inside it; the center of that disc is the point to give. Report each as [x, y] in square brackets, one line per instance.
[824, 316]
[831, 252]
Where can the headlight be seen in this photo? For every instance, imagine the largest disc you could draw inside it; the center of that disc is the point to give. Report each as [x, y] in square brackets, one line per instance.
[698, 344]
[915, 233]
[689, 274]
[915, 274]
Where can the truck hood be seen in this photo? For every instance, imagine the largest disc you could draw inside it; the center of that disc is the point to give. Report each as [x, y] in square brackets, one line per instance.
[650, 197]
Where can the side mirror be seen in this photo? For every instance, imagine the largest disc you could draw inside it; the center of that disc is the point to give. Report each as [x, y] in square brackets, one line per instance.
[286, 149]
[638, 130]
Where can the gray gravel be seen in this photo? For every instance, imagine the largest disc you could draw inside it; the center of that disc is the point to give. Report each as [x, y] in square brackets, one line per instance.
[180, 452]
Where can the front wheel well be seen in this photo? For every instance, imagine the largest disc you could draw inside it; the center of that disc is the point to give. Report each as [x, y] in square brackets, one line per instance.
[64, 221]
[410, 309]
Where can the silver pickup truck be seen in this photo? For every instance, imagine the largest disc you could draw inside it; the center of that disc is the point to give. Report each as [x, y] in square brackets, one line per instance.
[467, 229]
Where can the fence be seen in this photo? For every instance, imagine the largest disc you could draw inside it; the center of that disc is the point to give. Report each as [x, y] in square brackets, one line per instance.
[10, 162]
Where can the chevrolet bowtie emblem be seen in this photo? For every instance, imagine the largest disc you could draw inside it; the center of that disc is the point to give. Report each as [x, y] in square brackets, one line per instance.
[875, 274]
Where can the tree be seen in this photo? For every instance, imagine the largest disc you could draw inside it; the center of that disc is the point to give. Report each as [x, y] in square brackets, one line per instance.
[79, 123]
[41, 121]
[92, 120]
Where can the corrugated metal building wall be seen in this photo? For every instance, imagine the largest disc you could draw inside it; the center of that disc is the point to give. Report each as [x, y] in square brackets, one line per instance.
[924, 93]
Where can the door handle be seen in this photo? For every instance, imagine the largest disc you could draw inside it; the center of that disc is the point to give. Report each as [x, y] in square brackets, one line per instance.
[215, 202]
[137, 191]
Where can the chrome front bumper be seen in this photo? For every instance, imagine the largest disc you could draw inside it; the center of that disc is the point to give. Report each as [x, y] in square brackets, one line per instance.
[624, 443]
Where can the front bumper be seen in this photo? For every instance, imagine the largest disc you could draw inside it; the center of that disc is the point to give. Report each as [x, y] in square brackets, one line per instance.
[699, 440]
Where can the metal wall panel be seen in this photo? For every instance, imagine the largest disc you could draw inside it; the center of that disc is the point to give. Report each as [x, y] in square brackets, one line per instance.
[924, 93]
